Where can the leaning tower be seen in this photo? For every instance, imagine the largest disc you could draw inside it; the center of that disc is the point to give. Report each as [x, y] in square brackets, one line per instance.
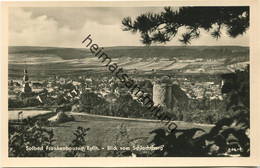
[162, 95]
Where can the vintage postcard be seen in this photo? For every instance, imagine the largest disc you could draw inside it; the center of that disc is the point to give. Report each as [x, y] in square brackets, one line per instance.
[170, 83]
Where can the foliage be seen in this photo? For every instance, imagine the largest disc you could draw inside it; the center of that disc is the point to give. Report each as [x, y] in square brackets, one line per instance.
[174, 144]
[125, 106]
[89, 100]
[31, 102]
[122, 140]
[32, 134]
[229, 136]
[79, 141]
[14, 103]
[236, 87]
[192, 111]
[61, 100]
[164, 26]
[200, 112]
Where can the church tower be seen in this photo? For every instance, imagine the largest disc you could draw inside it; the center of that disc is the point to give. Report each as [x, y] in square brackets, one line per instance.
[26, 88]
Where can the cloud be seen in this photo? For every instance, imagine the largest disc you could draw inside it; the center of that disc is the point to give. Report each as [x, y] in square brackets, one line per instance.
[67, 27]
[102, 15]
[43, 31]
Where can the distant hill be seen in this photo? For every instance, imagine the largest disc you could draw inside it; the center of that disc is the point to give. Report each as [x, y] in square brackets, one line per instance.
[45, 61]
[181, 52]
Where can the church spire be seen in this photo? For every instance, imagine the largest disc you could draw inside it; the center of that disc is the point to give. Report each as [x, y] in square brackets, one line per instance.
[26, 88]
[25, 76]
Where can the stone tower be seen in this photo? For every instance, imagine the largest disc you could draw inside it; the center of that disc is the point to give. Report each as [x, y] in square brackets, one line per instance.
[26, 88]
[162, 95]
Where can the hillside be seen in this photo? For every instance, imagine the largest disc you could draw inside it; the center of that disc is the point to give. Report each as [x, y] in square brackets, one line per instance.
[181, 52]
[45, 61]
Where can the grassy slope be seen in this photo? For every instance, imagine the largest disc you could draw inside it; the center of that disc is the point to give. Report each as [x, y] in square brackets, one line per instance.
[103, 131]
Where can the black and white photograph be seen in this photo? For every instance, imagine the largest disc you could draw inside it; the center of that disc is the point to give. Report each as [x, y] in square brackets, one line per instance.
[129, 81]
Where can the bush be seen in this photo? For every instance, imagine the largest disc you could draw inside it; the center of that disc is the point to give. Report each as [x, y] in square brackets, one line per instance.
[122, 140]
[29, 135]
[88, 101]
[79, 141]
[229, 137]
[31, 102]
[14, 103]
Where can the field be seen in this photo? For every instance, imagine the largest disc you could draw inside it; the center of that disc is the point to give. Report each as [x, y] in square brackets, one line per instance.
[49, 61]
[103, 131]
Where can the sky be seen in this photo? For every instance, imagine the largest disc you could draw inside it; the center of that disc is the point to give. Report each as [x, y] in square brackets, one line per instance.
[68, 26]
